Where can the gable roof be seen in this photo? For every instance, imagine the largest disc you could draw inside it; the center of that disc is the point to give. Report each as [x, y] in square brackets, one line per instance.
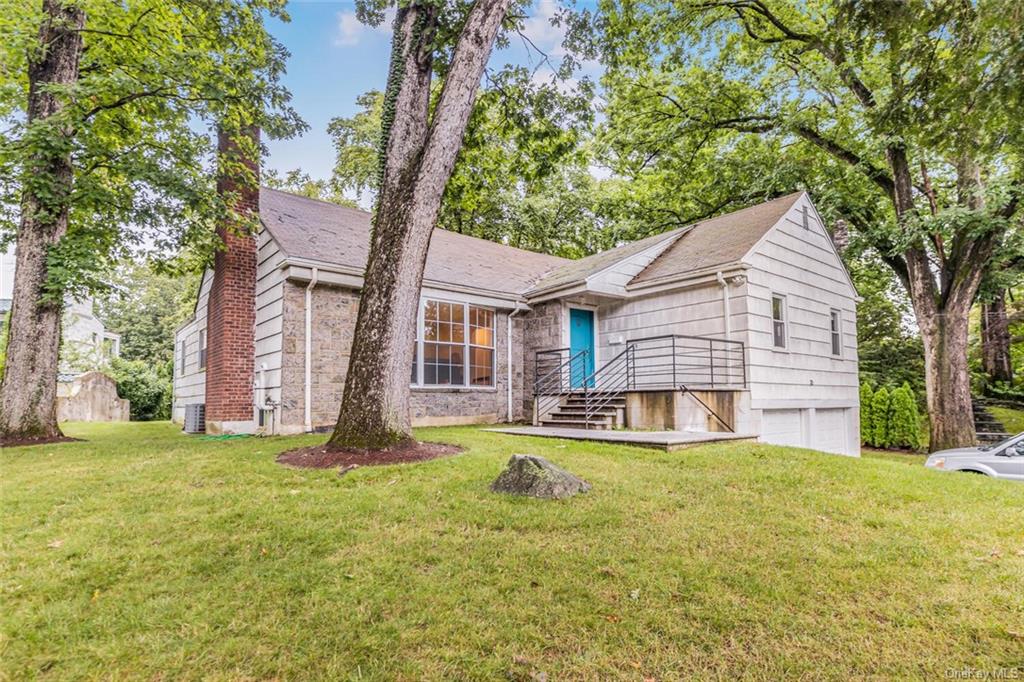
[577, 271]
[718, 241]
[321, 231]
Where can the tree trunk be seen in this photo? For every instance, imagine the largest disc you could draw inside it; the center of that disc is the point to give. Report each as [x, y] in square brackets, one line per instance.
[416, 165]
[941, 310]
[995, 340]
[28, 391]
[947, 380]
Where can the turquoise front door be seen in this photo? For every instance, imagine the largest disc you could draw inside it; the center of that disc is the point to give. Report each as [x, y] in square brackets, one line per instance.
[581, 338]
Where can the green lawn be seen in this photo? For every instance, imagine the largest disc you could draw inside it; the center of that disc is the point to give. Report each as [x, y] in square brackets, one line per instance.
[1013, 420]
[144, 553]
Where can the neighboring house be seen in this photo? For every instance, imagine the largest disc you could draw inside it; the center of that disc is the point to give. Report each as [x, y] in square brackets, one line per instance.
[86, 344]
[752, 313]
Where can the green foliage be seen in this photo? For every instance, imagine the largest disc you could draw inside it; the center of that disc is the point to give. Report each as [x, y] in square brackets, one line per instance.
[905, 422]
[298, 182]
[889, 346]
[881, 418]
[521, 177]
[145, 306]
[147, 386]
[155, 76]
[866, 424]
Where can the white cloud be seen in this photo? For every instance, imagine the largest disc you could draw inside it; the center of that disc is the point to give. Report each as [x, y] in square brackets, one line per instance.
[350, 31]
[540, 31]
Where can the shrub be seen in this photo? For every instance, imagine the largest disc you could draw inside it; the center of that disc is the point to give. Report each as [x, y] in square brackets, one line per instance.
[143, 385]
[881, 417]
[866, 395]
[905, 423]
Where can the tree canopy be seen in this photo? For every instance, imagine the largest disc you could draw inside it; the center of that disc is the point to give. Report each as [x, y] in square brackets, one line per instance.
[155, 78]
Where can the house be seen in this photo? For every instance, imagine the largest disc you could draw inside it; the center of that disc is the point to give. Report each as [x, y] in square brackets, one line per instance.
[85, 342]
[745, 322]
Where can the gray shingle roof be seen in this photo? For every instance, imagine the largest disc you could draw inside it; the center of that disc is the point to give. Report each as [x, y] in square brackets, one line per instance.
[322, 231]
[326, 232]
[578, 270]
[718, 241]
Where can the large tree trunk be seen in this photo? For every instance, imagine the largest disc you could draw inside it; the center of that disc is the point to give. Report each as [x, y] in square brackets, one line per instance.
[28, 391]
[417, 164]
[947, 380]
[941, 309]
[995, 340]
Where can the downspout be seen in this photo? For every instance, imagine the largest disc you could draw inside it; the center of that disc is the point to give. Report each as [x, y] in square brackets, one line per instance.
[308, 395]
[508, 360]
[725, 304]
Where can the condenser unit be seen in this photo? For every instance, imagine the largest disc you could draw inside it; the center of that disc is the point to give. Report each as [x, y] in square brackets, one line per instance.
[195, 418]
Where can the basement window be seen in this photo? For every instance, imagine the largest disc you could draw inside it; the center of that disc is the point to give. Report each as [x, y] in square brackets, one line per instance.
[454, 345]
[779, 321]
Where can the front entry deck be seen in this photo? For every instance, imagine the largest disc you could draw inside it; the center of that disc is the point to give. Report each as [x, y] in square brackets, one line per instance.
[661, 440]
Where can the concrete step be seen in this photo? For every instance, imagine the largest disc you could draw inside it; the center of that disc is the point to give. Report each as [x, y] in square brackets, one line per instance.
[618, 402]
[580, 409]
[601, 425]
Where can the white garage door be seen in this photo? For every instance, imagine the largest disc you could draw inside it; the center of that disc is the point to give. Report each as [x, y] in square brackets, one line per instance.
[830, 430]
[781, 427]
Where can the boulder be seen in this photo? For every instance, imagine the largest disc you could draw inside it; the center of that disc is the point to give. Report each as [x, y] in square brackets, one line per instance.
[536, 477]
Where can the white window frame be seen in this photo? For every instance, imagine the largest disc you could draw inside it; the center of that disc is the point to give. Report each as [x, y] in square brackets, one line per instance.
[202, 349]
[181, 362]
[784, 308]
[466, 346]
[835, 335]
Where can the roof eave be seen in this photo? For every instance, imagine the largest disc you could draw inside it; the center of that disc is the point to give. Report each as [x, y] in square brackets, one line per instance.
[353, 277]
[683, 277]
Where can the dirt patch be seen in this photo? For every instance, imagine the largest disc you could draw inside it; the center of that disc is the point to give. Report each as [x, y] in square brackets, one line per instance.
[323, 457]
[44, 440]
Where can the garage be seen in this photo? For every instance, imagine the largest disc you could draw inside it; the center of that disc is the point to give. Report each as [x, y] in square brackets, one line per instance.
[781, 427]
[830, 430]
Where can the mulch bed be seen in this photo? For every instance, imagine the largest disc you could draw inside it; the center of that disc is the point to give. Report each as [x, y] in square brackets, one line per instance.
[323, 457]
[21, 442]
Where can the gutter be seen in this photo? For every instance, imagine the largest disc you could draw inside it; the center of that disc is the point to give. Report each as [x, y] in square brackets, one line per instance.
[686, 277]
[508, 360]
[725, 304]
[308, 392]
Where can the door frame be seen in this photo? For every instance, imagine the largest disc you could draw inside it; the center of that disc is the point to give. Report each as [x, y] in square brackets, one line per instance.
[567, 307]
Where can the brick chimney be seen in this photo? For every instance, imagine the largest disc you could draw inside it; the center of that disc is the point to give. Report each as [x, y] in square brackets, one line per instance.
[231, 310]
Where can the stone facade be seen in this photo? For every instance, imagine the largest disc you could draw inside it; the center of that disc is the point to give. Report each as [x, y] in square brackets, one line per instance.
[542, 330]
[334, 319]
[334, 323]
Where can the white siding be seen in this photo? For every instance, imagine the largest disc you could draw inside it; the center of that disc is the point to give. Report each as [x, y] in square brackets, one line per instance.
[694, 312]
[190, 385]
[800, 264]
[613, 279]
[269, 316]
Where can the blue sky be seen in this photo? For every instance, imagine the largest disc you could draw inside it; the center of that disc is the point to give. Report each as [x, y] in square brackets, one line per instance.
[334, 59]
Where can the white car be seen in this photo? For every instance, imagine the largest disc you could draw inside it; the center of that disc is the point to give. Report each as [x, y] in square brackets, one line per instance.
[1002, 460]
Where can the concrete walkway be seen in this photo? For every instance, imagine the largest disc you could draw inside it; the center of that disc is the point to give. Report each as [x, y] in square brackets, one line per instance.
[662, 440]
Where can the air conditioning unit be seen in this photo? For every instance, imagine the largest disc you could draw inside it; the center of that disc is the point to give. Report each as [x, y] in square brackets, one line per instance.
[195, 418]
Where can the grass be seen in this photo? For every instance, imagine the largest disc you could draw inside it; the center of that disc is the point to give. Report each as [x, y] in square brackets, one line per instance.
[144, 553]
[1012, 420]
